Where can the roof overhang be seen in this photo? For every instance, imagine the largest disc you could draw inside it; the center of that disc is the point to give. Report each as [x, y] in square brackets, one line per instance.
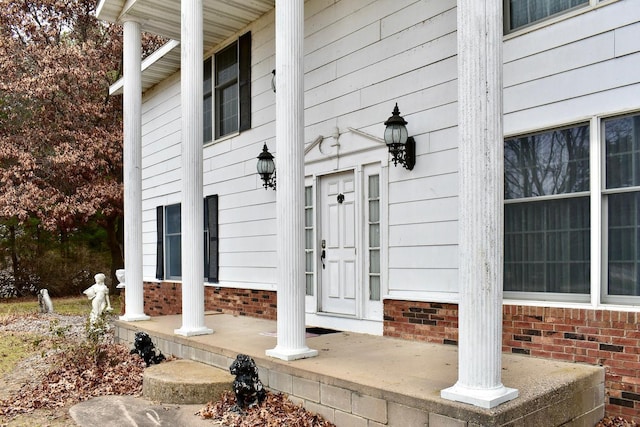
[156, 67]
[221, 20]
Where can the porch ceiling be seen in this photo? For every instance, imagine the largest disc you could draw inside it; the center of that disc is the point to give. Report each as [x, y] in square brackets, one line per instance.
[221, 18]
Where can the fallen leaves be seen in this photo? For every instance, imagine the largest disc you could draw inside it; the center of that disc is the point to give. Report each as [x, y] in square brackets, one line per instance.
[276, 411]
[76, 377]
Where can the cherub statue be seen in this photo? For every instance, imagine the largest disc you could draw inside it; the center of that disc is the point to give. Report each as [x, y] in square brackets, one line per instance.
[98, 293]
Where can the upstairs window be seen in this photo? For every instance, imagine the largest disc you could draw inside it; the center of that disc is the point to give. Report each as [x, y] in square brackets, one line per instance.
[227, 102]
[522, 13]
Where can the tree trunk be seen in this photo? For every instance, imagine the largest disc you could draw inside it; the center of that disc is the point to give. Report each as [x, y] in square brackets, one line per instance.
[115, 238]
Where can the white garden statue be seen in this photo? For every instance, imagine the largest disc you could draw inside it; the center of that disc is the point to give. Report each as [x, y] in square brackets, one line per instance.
[98, 293]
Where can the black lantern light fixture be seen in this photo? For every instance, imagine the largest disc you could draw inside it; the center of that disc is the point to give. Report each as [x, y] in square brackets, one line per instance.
[401, 146]
[267, 168]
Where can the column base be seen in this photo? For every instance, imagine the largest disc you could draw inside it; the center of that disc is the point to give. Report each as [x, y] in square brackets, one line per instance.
[291, 354]
[484, 398]
[190, 332]
[133, 317]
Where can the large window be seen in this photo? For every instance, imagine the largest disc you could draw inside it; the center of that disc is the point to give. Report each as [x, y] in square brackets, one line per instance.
[547, 222]
[622, 204]
[521, 13]
[169, 241]
[227, 90]
[551, 194]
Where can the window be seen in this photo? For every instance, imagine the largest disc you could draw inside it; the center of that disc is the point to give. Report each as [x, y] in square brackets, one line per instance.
[232, 89]
[547, 212]
[521, 13]
[308, 239]
[621, 200]
[548, 208]
[207, 108]
[169, 238]
[374, 236]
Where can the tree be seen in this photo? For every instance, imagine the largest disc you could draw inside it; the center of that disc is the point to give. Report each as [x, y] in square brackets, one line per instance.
[60, 131]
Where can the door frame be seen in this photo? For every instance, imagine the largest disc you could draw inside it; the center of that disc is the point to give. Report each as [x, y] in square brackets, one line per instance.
[368, 314]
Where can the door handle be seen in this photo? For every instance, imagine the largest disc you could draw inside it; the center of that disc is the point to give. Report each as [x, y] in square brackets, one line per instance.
[323, 254]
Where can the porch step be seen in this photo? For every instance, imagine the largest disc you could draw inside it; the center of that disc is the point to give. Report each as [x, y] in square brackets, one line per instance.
[185, 382]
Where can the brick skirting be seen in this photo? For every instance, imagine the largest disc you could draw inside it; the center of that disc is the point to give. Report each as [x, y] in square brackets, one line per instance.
[598, 337]
[163, 299]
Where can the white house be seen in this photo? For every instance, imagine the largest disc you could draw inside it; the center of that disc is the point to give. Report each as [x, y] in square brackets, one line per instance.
[522, 208]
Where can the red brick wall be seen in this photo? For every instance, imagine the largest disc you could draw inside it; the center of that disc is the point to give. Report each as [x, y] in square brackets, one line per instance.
[599, 337]
[166, 298]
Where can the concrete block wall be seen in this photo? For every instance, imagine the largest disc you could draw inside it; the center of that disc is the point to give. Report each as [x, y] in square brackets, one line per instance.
[349, 404]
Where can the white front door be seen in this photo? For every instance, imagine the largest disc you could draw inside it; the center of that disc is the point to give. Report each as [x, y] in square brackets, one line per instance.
[338, 266]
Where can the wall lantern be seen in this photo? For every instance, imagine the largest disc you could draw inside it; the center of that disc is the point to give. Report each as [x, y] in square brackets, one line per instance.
[401, 146]
[267, 168]
[273, 81]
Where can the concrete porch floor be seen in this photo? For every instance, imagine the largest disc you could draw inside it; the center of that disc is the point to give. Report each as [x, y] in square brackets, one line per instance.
[366, 381]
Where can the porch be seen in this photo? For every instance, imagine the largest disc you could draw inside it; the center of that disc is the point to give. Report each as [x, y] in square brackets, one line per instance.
[366, 380]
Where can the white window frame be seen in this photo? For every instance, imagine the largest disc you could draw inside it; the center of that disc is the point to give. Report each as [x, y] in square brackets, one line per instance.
[598, 296]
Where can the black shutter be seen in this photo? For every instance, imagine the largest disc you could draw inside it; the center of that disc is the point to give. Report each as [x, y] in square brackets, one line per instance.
[244, 66]
[211, 210]
[160, 244]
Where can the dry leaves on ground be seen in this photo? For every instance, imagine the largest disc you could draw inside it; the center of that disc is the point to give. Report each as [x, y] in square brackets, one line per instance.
[75, 377]
[276, 411]
[615, 422]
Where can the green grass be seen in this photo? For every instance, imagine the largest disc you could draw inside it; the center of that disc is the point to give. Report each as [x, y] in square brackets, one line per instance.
[65, 306]
[13, 348]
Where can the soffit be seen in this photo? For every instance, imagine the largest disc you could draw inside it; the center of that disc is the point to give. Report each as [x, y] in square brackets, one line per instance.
[221, 18]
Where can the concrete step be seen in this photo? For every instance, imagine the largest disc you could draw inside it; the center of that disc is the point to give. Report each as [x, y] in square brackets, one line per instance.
[185, 382]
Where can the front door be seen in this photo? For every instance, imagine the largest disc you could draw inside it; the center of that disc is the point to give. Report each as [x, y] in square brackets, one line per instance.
[338, 271]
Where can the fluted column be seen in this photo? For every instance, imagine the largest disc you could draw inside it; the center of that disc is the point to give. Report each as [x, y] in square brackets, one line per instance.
[192, 208]
[291, 343]
[481, 209]
[132, 172]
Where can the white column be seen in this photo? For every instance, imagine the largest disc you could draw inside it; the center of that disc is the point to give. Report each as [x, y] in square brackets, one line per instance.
[291, 342]
[480, 206]
[132, 171]
[192, 208]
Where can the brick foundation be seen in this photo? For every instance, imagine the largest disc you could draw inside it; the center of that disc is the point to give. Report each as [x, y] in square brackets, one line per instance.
[163, 299]
[598, 337]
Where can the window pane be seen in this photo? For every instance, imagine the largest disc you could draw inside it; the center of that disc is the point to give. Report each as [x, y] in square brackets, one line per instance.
[622, 140]
[207, 107]
[374, 235]
[374, 211]
[374, 261]
[308, 196]
[554, 162]
[374, 288]
[172, 219]
[374, 186]
[226, 65]
[623, 244]
[547, 246]
[226, 81]
[309, 284]
[174, 257]
[525, 12]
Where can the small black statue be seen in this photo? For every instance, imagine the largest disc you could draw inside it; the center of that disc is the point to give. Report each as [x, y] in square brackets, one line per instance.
[247, 386]
[144, 347]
